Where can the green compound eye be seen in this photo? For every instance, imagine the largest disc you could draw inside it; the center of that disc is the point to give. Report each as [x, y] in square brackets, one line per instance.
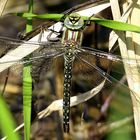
[74, 22]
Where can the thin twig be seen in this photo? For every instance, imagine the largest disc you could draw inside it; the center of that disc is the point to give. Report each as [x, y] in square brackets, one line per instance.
[5, 82]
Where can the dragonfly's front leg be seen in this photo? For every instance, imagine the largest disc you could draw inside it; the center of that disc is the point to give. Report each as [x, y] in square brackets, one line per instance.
[50, 36]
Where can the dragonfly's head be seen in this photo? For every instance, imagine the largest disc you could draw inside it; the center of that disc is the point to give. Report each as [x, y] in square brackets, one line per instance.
[74, 21]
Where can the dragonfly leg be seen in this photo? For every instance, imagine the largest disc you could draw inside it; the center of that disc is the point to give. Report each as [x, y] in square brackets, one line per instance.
[41, 34]
[54, 32]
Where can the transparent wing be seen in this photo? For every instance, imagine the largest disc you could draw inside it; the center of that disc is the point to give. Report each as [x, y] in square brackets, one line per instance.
[86, 71]
[115, 59]
[48, 49]
[109, 56]
[104, 65]
[90, 69]
[8, 44]
[88, 64]
[39, 58]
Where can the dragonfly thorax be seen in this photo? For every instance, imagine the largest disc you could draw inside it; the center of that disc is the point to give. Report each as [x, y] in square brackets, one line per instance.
[74, 22]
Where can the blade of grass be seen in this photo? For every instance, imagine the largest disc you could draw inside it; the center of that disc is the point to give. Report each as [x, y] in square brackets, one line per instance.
[7, 123]
[27, 97]
[115, 25]
[55, 17]
[27, 84]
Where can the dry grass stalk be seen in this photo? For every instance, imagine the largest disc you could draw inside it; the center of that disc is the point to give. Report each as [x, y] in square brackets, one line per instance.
[75, 100]
[2, 6]
[128, 44]
[135, 73]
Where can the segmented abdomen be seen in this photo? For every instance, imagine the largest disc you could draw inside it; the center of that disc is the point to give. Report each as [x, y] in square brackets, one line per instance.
[67, 90]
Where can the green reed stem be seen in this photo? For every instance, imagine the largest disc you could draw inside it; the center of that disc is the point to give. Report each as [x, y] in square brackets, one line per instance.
[27, 85]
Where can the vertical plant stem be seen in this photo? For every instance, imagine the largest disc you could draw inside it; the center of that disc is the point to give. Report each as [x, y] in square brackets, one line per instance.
[27, 85]
[134, 19]
[29, 20]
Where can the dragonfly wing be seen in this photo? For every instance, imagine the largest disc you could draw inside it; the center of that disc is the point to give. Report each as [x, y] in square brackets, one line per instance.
[38, 58]
[116, 59]
[85, 72]
[12, 50]
[7, 45]
[109, 66]
[44, 59]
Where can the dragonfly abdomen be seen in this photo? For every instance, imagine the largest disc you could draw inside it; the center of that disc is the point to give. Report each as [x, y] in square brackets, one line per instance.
[69, 57]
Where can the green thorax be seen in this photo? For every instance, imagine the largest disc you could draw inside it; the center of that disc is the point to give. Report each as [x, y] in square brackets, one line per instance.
[73, 32]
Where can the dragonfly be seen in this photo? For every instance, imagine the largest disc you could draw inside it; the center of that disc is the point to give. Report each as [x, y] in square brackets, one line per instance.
[78, 60]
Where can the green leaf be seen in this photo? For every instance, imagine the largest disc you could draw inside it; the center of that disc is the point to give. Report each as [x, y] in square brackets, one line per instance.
[27, 84]
[115, 25]
[7, 123]
[27, 98]
[29, 19]
[55, 17]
